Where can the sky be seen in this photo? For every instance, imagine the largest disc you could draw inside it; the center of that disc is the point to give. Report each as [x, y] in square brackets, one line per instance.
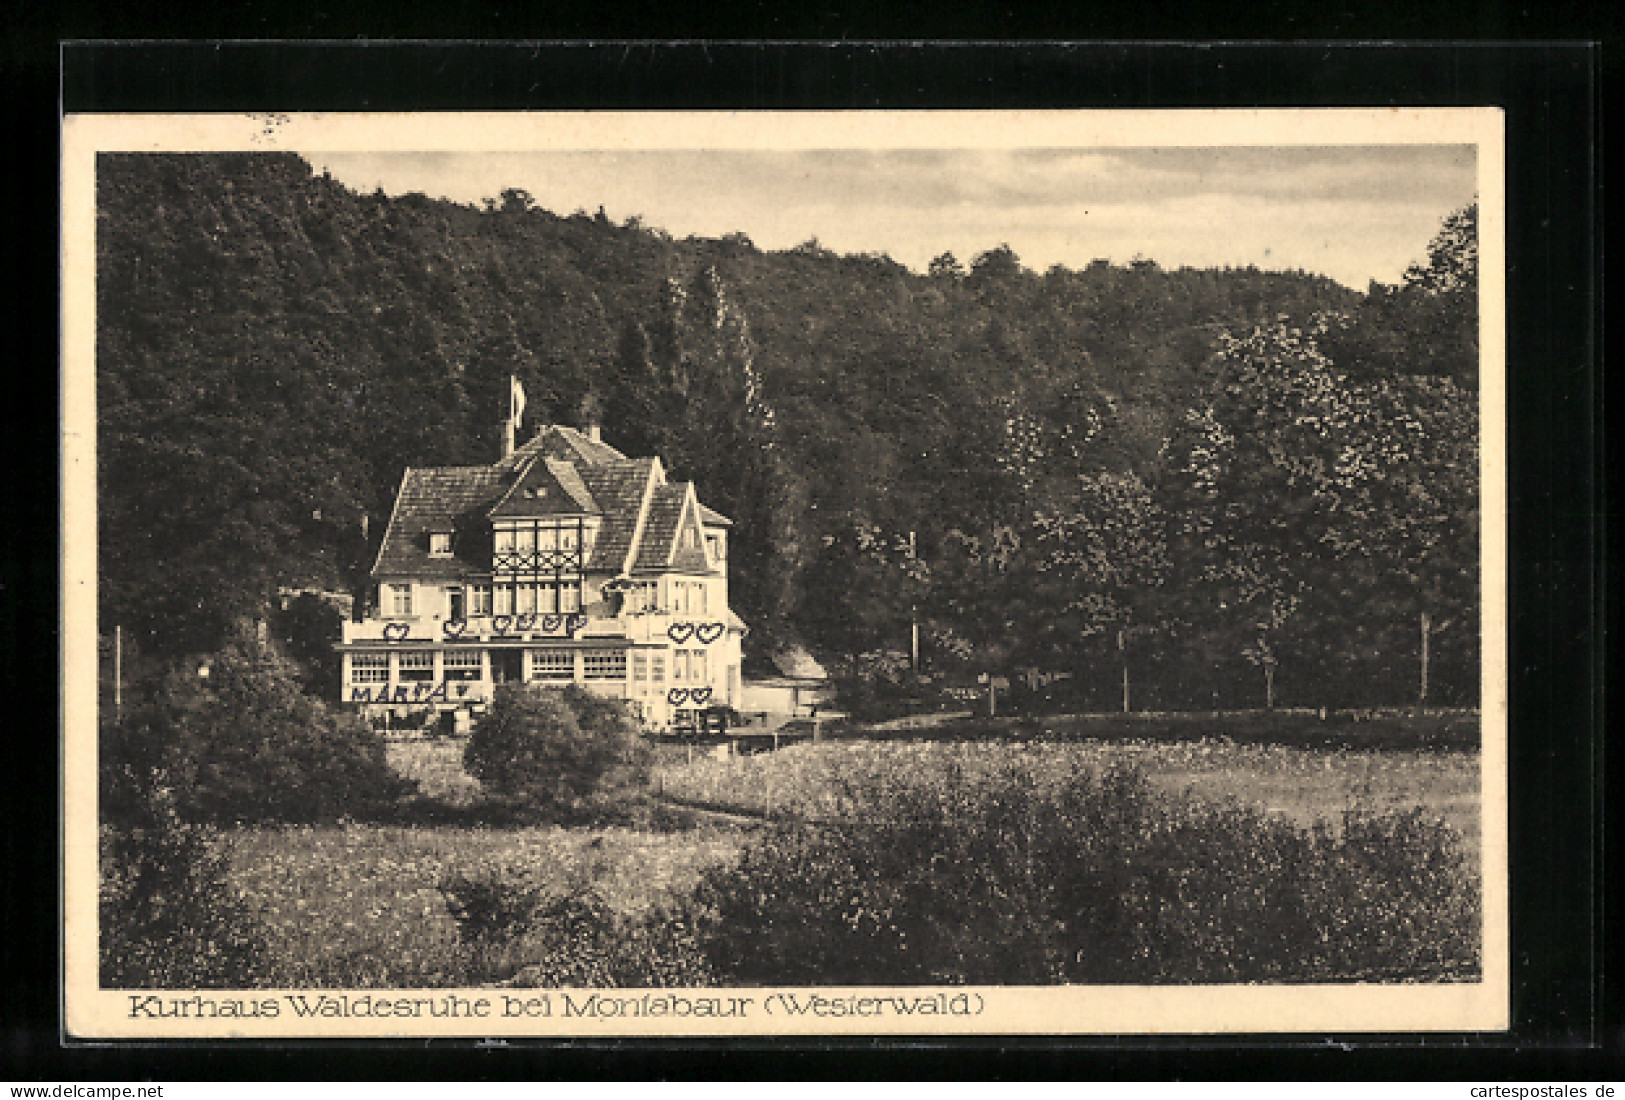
[1354, 213]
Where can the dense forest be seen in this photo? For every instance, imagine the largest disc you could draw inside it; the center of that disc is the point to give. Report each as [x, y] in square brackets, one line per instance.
[1250, 486]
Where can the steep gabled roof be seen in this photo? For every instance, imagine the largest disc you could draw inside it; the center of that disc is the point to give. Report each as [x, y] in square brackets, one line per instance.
[566, 444]
[546, 487]
[619, 490]
[439, 498]
[660, 529]
[671, 507]
[713, 518]
[560, 471]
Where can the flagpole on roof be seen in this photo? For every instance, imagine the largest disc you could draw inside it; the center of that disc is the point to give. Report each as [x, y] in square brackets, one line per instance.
[516, 410]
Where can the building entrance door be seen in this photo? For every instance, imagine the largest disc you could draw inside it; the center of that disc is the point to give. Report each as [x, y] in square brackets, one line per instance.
[458, 606]
[506, 665]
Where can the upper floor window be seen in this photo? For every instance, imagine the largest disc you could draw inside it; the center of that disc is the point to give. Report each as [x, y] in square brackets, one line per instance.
[643, 596]
[397, 599]
[440, 544]
[479, 599]
[714, 543]
[540, 547]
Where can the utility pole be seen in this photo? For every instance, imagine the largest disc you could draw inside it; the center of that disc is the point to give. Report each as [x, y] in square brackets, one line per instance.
[118, 671]
[1427, 625]
[913, 619]
[1122, 650]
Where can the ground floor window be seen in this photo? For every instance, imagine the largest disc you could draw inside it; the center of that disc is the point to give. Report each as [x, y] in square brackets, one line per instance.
[461, 664]
[369, 668]
[640, 666]
[657, 666]
[604, 664]
[417, 665]
[552, 664]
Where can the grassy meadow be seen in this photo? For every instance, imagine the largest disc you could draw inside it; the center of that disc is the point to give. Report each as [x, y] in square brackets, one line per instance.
[810, 780]
[366, 904]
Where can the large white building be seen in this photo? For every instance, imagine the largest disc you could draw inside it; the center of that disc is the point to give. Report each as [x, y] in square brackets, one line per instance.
[565, 562]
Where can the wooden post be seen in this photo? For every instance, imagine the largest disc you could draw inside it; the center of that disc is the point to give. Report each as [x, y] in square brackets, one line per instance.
[913, 620]
[992, 698]
[1122, 650]
[1422, 697]
[118, 671]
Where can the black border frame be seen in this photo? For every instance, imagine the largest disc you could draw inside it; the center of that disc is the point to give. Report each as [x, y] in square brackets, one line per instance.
[1550, 93]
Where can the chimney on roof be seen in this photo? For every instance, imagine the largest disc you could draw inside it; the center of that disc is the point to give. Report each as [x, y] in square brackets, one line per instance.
[589, 417]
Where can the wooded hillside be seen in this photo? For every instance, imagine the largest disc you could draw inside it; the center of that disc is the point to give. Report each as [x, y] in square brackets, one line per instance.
[1257, 477]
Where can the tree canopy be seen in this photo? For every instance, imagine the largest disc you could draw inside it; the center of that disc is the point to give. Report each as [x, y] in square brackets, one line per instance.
[1227, 461]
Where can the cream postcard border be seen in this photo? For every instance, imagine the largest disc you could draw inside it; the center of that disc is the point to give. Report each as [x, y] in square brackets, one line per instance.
[89, 1012]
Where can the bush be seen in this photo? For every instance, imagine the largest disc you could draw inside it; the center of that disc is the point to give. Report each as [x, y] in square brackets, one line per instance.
[306, 630]
[246, 744]
[998, 879]
[168, 919]
[565, 754]
[517, 931]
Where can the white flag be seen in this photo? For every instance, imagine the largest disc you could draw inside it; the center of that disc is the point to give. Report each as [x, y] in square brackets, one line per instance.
[516, 399]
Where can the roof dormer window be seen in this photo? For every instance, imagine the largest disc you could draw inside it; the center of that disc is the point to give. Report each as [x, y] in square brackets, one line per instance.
[440, 544]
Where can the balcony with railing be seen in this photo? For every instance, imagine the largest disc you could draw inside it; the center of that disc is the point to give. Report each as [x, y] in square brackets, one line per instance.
[631, 627]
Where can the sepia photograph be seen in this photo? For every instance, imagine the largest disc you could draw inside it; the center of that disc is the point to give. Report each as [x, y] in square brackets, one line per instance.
[730, 574]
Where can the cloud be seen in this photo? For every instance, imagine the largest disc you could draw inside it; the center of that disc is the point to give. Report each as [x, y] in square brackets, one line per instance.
[1354, 213]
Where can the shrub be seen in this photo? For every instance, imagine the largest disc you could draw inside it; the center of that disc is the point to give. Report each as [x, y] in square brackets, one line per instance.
[246, 744]
[517, 931]
[565, 754]
[168, 919]
[307, 629]
[997, 878]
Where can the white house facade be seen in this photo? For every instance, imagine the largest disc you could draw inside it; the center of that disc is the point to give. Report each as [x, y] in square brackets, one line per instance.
[565, 562]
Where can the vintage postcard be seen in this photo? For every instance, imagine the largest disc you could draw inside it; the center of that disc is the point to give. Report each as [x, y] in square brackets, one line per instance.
[597, 575]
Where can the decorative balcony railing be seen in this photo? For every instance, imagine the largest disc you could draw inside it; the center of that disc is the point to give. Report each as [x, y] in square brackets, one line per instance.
[638, 627]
